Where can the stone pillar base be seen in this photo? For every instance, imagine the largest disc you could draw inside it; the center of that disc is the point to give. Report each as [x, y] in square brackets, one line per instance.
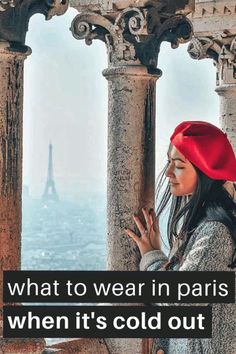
[82, 345]
[22, 345]
[125, 345]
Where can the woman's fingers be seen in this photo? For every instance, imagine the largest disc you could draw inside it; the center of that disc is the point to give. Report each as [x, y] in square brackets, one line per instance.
[143, 243]
[147, 218]
[150, 235]
[150, 219]
[132, 235]
[154, 220]
[139, 224]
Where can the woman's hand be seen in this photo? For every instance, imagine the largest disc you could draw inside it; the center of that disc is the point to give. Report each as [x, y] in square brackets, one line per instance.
[150, 235]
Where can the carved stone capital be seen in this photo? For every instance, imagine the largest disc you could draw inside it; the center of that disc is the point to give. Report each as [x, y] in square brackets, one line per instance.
[222, 49]
[134, 35]
[14, 20]
[198, 47]
[10, 51]
[5, 4]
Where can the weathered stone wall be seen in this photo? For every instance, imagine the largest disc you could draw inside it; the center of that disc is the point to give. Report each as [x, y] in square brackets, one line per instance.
[214, 24]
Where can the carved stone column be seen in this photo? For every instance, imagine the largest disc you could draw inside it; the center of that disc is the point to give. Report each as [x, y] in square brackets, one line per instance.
[226, 89]
[11, 113]
[11, 106]
[222, 50]
[13, 52]
[132, 36]
[214, 37]
[131, 157]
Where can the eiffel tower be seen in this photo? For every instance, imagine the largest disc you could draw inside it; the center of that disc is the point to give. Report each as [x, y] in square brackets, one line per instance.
[50, 190]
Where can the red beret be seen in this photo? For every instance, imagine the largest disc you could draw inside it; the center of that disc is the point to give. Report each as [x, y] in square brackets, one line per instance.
[207, 147]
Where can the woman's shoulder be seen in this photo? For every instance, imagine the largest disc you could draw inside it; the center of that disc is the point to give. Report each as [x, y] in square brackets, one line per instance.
[213, 227]
[212, 231]
[210, 247]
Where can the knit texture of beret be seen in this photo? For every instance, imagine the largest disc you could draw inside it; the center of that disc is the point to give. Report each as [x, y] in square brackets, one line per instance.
[207, 147]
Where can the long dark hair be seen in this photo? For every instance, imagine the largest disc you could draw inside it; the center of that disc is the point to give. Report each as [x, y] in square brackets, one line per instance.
[210, 200]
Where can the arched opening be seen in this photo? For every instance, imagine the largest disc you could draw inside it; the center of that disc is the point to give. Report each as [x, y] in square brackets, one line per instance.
[65, 105]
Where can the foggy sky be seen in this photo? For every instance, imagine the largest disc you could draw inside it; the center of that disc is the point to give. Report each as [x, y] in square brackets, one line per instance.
[65, 102]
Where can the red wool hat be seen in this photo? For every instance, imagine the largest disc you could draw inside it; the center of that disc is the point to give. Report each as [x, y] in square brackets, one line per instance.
[207, 147]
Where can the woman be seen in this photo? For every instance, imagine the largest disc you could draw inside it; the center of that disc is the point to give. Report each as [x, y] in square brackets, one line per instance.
[201, 225]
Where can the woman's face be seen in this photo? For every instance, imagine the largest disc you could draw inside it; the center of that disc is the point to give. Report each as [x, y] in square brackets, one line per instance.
[181, 173]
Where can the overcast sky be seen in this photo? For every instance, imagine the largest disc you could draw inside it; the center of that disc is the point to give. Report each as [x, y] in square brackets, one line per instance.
[66, 103]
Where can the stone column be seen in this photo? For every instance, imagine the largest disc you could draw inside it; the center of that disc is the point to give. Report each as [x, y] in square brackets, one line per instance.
[11, 112]
[133, 36]
[11, 126]
[13, 51]
[214, 37]
[222, 49]
[226, 89]
[131, 157]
